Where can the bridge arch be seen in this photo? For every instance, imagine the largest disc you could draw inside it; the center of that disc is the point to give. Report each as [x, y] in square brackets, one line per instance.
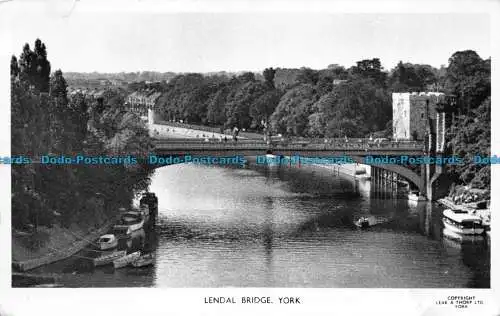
[406, 173]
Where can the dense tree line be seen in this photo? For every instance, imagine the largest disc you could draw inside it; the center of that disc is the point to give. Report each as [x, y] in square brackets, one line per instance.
[296, 102]
[45, 121]
[469, 78]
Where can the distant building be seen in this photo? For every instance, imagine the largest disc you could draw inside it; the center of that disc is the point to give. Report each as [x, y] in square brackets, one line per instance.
[142, 102]
[338, 81]
[413, 113]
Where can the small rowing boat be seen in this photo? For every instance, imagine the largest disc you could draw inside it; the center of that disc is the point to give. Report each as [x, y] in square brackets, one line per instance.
[107, 242]
[362, 222]
[130, 222]
[108, 258]
[415, 196]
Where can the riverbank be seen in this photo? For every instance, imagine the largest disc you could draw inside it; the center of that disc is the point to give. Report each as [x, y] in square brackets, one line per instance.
[177, 130]
[49, 245]
[192, 130]
[168, 131]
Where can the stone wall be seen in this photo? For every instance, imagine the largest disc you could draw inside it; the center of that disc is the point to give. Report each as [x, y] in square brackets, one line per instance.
[412, 112]
[400, 116]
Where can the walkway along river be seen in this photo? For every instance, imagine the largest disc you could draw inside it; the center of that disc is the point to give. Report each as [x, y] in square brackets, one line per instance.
[285, 227]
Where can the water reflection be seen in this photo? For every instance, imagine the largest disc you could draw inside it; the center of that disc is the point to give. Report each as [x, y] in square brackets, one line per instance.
[285, 227]
[304, 220]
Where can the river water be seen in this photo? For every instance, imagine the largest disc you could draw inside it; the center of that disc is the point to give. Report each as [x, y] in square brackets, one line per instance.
[291, 227]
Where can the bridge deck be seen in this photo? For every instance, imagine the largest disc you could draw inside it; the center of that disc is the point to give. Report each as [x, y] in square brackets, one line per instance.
[193, 146]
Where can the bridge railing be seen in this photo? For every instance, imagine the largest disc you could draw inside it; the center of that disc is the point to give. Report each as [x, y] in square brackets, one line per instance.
[186, 144]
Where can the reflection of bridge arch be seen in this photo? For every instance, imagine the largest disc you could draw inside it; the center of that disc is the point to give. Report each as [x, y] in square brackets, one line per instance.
[406, 173]
[402, 171]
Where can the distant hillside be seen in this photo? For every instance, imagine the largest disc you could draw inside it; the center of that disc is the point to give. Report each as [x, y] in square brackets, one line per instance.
[121, 76]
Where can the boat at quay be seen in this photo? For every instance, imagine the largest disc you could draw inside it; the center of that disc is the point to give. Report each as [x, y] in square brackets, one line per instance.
[130, 222]
[108, 241]
[460, 221]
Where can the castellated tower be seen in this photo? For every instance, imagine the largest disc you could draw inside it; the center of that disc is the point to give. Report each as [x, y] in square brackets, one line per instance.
[414, 114]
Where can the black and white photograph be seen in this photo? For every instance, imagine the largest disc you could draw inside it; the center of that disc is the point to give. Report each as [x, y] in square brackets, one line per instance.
[250, 149]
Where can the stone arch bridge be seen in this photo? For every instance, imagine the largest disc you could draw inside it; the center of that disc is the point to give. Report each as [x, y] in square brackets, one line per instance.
[421, 177]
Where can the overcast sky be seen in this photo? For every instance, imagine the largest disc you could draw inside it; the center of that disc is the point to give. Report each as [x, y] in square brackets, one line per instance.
[203, 42]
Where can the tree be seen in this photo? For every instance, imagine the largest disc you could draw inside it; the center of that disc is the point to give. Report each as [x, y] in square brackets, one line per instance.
[34, 67]
[469, 78]
[246, 77]
[27, 66]
[239, 102]
[471, 137]
[291, 114]
[44, 123]
[216, 107]
[322, 110]
[14, 67]
[262, 108]
[42, 66]
[354, 109]
[59, 89]
[307, 76]
[370, 68]
[269, 74]
[405, 78]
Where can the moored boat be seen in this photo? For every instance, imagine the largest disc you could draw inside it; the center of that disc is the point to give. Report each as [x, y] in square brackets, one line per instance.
[462, 238]
[415, 196]
[130, 222]
[460, 221]
[362, 222]
[125, 260]
[106, 242]
[144, 261]
[108, 258]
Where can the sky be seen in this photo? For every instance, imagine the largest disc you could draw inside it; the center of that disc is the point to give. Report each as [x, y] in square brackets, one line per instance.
[102, 41]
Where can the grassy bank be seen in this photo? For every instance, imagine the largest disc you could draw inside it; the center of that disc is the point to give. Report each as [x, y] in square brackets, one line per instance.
[48, 245]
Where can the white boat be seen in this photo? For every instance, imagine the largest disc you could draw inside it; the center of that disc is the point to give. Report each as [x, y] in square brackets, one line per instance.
[460, 221]
[461, 237]
[106, 242]
[107, 259]
[125, 260]
[415, 196]
[362, 222]
[130, 222]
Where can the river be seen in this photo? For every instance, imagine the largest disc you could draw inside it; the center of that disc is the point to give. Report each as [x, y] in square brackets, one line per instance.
[290, 227]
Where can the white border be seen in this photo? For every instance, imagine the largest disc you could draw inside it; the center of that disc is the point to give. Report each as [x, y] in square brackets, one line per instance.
[190, 301]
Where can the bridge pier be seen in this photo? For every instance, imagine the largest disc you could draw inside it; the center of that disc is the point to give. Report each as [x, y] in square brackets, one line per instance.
[384, 182]
[438, 185]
